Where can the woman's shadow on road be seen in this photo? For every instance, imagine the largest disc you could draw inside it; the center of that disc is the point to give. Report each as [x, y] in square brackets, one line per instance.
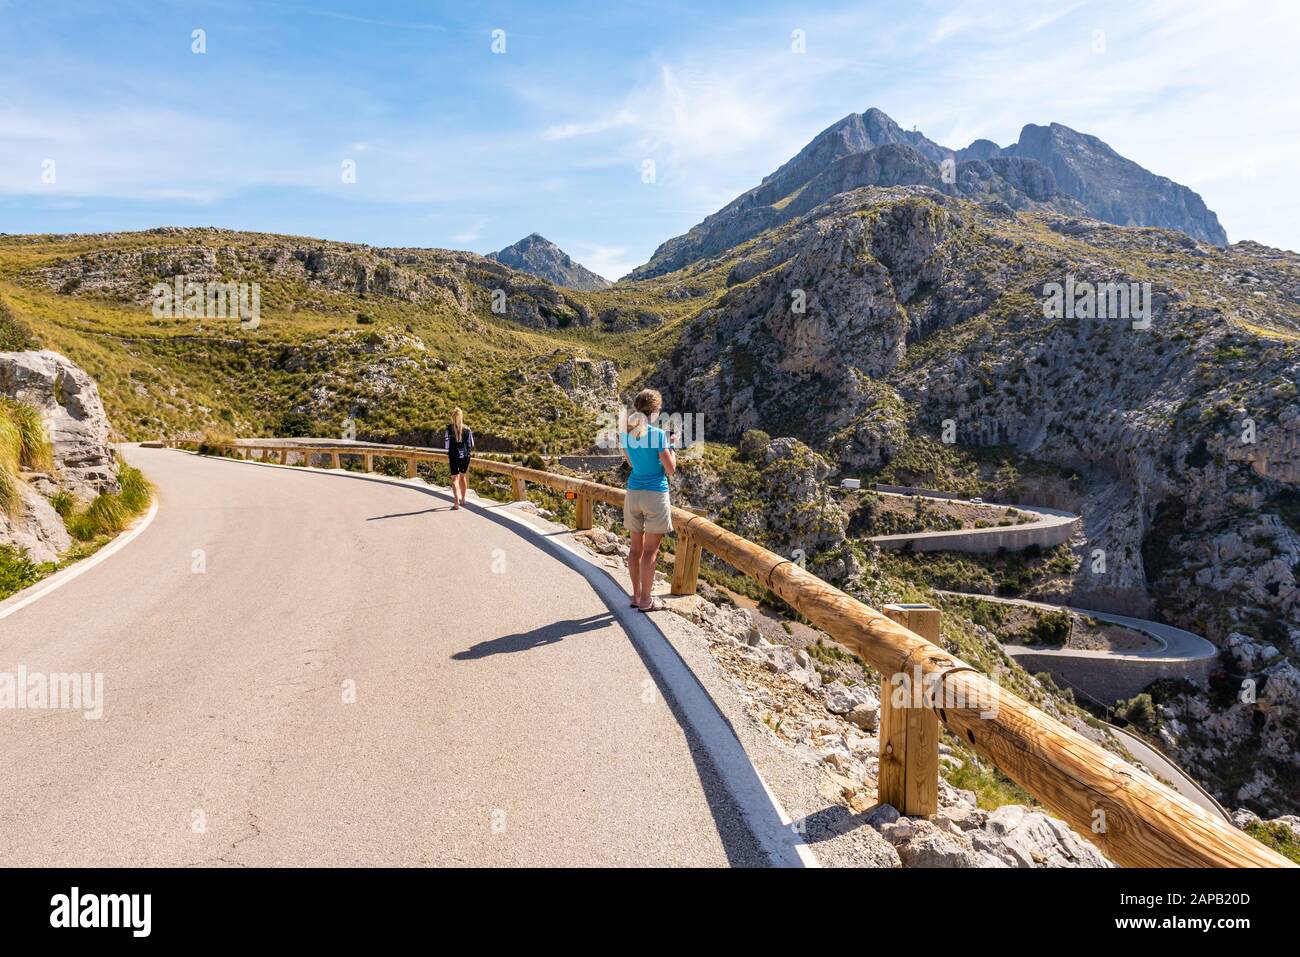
[528, 640]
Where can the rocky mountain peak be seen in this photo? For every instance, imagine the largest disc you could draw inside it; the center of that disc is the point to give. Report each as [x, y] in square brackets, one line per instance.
[854, 134]
[538, 256]
[1113, 188]
[1051, 166]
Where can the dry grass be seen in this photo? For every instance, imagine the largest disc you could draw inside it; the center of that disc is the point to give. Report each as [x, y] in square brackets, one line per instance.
[23, 445]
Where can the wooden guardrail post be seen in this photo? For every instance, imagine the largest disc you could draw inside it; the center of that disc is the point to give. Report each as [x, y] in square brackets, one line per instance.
[370, 461]
[584, 505]
[686, 560]
[519, 488]
[412, 466]
[284, 456]
[334, 460]
[909, 731]
[686, 564]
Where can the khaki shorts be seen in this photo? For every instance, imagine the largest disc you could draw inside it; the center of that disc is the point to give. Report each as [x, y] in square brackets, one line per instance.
[645, 511]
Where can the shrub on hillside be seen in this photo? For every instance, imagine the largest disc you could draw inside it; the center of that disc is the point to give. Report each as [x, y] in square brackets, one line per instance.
[14, 334]
[1278, 836]
[1052, 628]
[296, 425]
[111, 512]
[65, 503]
[753, 444]
[17, 571]
[1139, 711]
[212, 442]
[133, 489]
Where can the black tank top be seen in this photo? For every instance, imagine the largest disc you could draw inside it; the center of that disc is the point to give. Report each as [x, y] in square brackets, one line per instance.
[459, 451]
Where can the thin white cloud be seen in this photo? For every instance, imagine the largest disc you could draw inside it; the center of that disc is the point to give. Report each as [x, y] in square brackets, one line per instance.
[368, 21]
[469, 235]
[611, 262]
[566, 131]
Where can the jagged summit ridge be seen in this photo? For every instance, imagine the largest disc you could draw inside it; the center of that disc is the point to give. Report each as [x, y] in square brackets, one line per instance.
[1052, 167]
[538, 256]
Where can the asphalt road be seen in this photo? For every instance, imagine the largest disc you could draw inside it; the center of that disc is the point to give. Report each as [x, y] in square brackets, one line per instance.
[501, 715]
[1175, 644]
[1011, 537]
[1181, 781]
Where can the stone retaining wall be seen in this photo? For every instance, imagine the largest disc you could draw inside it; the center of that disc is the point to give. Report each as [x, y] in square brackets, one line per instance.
[1112, 679]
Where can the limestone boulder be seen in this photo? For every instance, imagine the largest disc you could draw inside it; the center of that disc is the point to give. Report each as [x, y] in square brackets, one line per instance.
[34, 527]
[69, 403]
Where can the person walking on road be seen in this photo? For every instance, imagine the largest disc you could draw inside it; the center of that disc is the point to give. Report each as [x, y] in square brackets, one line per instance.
[647, 512]
[459, 442]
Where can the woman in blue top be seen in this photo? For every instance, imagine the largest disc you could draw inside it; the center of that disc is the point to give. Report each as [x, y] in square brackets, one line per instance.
[647, 512]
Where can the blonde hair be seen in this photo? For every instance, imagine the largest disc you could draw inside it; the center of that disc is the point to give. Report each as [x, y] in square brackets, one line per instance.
[458, 423]
[646, 404]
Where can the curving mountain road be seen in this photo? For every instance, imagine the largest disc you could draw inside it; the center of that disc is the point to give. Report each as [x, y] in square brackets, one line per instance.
[1174, 644]
[1052, 527]
[503, 714]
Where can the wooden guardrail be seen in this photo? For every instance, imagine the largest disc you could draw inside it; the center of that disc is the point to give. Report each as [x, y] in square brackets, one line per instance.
[1133, 819]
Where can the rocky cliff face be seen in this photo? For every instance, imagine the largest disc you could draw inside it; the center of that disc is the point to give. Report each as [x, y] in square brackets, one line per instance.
[34, 528]
[593, 384]
[888, 313]
[129, 271]
[73, 415]
[885, 316]
[538, 256]
[1051, 166]
[1115, 189]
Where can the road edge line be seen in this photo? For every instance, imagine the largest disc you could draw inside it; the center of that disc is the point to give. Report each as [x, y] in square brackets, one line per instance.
[701, 710]
[22, 599]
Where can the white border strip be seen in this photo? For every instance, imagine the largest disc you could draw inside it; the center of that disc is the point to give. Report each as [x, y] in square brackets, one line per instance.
[784, 847]
[60, 578]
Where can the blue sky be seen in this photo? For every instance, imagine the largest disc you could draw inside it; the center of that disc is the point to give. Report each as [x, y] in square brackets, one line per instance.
[457, 146]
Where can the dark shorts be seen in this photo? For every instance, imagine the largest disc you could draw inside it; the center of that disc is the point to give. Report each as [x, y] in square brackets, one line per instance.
[458, 468]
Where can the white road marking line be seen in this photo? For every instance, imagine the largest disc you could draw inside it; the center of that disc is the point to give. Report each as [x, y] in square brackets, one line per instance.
[60, 578]
[741, 778]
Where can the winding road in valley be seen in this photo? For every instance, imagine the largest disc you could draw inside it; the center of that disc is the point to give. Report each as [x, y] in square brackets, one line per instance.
[1049, 528]
[325, 668]
[1174, 646]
